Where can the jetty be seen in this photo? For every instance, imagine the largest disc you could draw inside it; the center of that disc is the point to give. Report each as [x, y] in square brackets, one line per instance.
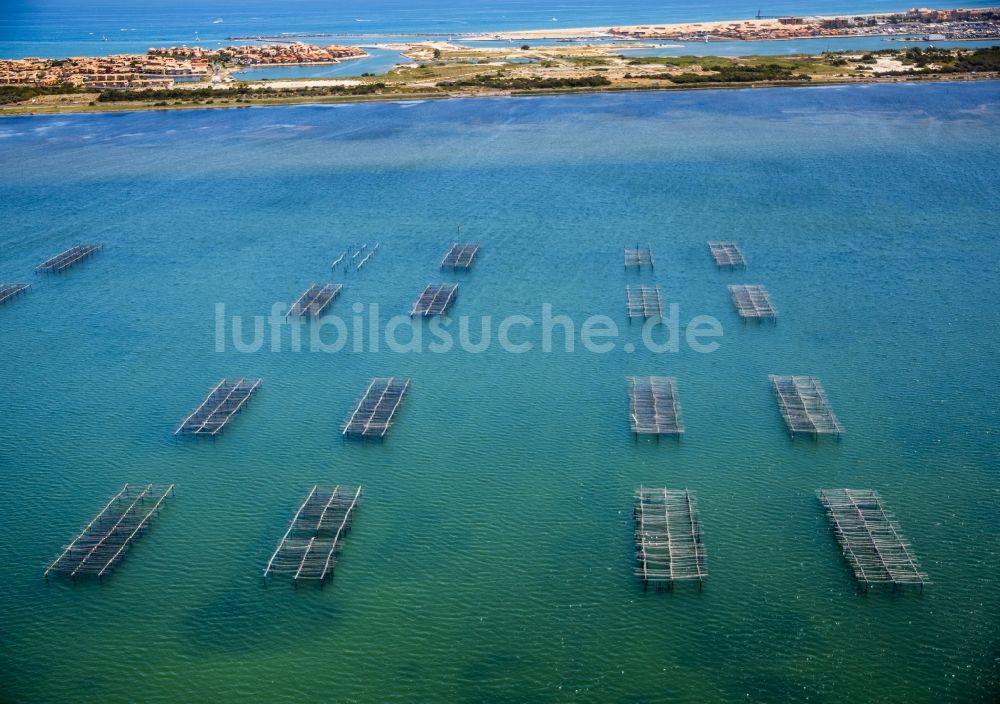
[221, 405]
[653, 406]
[804, 406]
[637, 257]
[870, 538]
[375, 410]
[668, 544]
[9, 291]
[315, 300]
[727, 255]
[643, 301]
[105, 540]
[753, 302]
[71, 256]
[460, 256]
[309, 549]
[435, 299]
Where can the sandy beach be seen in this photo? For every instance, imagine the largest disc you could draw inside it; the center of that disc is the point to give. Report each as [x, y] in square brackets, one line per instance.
[664, 27]
[750, 25]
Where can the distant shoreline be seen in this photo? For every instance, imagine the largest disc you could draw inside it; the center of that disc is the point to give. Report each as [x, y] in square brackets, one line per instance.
[592, 32]
[356, 34]
[615, 32]
[233, 75]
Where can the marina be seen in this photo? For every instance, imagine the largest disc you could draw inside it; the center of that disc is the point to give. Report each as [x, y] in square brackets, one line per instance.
[653, 406]
[870, 539]
[223, 402]
[64, 260]
[309, 549]
[668, 544]
[106, 539]
[376, 409]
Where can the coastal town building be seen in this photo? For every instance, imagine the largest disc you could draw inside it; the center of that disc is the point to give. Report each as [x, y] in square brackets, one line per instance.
[250, 54]
[104, 72]
[160, 67]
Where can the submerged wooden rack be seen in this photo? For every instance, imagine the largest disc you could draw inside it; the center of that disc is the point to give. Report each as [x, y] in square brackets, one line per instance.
[643, 301]
[308, 550]
[727, 255]
[653, 406]
[637, 257]
[435, 299]
[374, 413]
[106, 539]
[753, 301]
[355, 257]
[221, 405]
[870, 538]
[460, 256]
[668, 542]
[315, 300]
[71, 256]
[8, 291]
[804, 405]
[371, 253]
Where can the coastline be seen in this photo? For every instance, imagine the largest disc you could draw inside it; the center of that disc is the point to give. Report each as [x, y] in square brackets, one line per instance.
[81, 43]
[677, 27]
[592, 59]
[408, 97]
[855, 205]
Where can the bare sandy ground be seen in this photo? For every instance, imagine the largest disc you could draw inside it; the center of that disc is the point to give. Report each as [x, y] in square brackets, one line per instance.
[884, 64]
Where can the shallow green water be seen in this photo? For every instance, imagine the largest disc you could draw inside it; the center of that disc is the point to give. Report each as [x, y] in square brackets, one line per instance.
[491, 559]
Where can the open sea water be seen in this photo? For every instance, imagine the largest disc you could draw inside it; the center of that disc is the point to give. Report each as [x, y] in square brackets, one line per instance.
[59, 28]
[492, 556]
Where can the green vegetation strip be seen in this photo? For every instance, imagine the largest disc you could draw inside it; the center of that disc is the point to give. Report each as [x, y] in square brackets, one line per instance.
[118, 96]
[500, 83]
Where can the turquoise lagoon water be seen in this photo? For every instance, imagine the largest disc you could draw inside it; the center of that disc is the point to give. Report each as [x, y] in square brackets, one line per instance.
[492, 557]
[378, 61]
